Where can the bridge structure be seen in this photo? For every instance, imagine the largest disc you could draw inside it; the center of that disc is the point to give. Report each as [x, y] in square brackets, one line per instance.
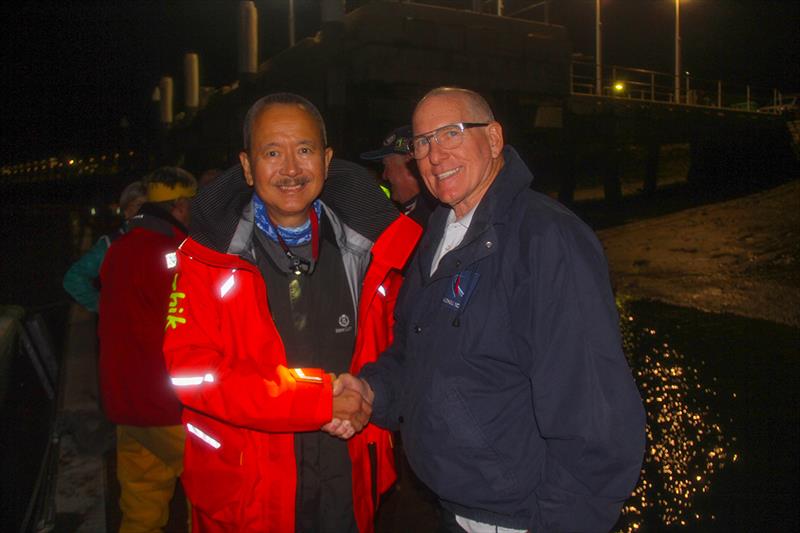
[367, 69]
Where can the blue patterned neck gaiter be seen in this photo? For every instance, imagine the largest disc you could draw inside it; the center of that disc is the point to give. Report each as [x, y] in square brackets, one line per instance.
[291, 236]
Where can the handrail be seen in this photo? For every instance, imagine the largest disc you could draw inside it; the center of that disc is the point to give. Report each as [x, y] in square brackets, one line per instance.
[650, 85]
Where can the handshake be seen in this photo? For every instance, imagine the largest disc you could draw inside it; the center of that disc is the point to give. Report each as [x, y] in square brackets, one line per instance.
[352, 406]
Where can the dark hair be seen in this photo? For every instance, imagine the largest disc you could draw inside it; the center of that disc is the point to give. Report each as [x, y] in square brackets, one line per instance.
[171, 177]
[265, 102]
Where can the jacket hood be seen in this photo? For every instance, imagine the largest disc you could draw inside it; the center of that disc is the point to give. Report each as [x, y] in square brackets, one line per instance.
[156, 219]
[512, 179]
[350, 191]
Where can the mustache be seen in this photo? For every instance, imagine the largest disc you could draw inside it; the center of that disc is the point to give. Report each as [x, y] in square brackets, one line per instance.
[291, 182]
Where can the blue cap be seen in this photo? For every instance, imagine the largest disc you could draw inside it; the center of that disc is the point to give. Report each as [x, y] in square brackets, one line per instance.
[397, 142]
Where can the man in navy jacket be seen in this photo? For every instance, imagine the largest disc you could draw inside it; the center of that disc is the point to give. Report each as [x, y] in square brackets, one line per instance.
[506, 375]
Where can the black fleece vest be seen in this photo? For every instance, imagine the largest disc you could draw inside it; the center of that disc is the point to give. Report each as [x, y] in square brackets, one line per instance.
[315, 319]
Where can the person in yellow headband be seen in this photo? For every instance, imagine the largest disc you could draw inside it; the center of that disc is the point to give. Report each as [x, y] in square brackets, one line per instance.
[136, 280]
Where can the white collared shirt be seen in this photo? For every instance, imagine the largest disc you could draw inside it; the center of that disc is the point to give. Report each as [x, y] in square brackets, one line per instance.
[473, 526]
[454, 231]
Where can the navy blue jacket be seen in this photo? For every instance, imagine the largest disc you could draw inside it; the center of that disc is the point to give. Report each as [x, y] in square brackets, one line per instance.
[507, 376]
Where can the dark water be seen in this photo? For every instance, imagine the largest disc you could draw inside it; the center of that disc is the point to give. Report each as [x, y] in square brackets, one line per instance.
[721, 394]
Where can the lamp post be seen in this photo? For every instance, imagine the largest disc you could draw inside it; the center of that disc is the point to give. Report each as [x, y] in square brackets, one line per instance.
[598, 51]
[291, 23]
[677, 51]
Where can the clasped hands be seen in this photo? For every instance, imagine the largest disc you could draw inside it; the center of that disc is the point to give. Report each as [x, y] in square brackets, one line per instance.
[352, 406]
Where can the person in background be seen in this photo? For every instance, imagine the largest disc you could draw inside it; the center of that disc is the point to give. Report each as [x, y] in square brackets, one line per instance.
[81, 280]
[276, 289]
[506, 375]
[207, 176]
[400, 170]
[136, 278]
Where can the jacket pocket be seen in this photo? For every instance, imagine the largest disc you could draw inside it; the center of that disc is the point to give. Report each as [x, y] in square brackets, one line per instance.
[213, 474]
[470, 442]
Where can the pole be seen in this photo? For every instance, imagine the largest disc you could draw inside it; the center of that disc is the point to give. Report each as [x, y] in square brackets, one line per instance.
[677, 51]
[248, 37]
[598, 52]
[500, 8]
[291, 23]
[191, 73]
[165, 88]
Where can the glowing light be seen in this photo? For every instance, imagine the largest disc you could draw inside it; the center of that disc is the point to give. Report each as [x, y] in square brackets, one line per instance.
[619, 87]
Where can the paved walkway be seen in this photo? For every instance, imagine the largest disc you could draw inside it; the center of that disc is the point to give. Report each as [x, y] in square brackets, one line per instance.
[81, 482]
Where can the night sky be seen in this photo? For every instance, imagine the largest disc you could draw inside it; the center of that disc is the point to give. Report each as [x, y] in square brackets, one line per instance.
[71, 70]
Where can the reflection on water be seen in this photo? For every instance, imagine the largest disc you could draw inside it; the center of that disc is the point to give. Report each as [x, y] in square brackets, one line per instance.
[686, 440]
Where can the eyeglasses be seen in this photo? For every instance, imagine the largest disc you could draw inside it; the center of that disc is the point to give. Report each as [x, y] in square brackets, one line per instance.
[448, 137]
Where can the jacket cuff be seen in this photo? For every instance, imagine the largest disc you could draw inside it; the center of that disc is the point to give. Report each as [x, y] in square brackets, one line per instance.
[313, 401]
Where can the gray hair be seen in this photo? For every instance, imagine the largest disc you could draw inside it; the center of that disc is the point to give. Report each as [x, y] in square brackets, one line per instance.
[476, 104]
[268, 101]
[131, 193]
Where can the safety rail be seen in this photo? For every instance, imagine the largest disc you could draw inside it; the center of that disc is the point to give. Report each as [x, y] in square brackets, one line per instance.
[25, 340]
[654, 86]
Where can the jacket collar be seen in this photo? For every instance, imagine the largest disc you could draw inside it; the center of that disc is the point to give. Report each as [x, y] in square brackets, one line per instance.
[493, 209]
[153, 218]
[349, 191]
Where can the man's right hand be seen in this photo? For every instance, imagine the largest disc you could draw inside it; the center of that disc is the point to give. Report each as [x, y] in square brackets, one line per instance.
[351, 407]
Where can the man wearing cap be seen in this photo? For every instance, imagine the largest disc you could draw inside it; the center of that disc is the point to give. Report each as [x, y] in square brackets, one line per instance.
[80, 281]
[400, 170]
[136, 278]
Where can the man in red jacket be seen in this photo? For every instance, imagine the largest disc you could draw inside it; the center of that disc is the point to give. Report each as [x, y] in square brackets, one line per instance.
[136, 278]
[275, 289]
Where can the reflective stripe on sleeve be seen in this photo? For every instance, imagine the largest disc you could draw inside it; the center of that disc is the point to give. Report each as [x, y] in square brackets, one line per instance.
[227, 286]
[203, 436]
[382, 290]
[187, 381]
[302, 375]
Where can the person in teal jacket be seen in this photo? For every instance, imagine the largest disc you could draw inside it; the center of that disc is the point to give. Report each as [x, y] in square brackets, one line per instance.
[79, 281]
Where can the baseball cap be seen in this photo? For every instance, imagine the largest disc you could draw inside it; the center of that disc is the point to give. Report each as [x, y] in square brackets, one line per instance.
[397, 142]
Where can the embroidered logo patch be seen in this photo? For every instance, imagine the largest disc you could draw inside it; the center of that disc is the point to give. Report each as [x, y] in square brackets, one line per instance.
[462, 285]
[344, 324]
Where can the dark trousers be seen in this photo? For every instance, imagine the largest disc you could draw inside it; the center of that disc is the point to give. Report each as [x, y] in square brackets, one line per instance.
[447, 522]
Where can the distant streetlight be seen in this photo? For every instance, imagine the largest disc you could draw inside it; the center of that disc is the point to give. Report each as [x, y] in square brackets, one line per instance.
[677, 51]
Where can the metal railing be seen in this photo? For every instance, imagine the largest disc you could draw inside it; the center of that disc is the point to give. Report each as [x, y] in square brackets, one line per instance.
[654, 86]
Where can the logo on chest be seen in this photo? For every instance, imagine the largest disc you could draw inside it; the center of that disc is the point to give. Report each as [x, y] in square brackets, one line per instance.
[344, 324]
[461, 287]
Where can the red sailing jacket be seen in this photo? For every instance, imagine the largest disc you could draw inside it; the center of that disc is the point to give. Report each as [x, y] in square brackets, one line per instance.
[135, 276]
[228, 365]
